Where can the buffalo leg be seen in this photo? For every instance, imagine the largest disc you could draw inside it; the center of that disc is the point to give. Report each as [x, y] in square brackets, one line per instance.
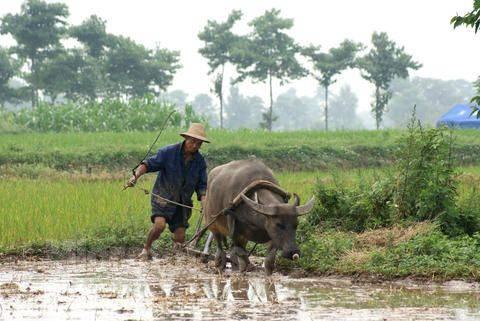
[270, 260]
[220, 255]
[233, 260]
[239, 251]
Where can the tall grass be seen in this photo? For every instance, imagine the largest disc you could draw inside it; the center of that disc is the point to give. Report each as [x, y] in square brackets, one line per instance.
[35, 211]
[71, 142]
[294, 151]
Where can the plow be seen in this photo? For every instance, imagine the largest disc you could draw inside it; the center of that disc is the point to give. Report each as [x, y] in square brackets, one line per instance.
[192, 247]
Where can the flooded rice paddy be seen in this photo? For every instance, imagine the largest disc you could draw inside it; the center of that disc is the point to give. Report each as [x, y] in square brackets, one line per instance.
[182, 288]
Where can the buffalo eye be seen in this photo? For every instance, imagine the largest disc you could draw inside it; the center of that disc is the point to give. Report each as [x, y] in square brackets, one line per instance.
[281, 226]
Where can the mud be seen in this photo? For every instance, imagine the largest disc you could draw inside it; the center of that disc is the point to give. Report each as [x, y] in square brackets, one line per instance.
[183, 288]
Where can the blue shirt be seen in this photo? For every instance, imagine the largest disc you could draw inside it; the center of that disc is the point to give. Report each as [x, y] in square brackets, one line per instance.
[176, 181]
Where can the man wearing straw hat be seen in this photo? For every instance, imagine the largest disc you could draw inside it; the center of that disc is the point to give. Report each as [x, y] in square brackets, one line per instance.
[182, 170]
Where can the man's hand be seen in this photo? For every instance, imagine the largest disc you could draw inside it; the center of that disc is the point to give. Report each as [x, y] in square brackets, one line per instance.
[139, 171]
[131, 182]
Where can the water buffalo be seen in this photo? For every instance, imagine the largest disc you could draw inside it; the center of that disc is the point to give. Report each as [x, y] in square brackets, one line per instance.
[263, 215]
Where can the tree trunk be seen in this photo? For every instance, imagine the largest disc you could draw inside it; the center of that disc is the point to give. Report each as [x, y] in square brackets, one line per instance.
[377, 107]
[326, 108]
[270, 118]
[220, 97]
[34, 93]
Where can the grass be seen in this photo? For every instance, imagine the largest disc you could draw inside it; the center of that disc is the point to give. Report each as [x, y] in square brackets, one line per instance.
[74, 206]
[77, 214]
[38, 211]
[303, 150]
[419, 250]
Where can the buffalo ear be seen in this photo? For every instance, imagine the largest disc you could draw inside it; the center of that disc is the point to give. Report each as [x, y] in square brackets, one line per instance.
[306, 208]
[296, 200]
[259, 208]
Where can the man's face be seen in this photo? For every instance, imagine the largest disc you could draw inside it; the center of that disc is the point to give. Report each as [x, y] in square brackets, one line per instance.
[192, 145]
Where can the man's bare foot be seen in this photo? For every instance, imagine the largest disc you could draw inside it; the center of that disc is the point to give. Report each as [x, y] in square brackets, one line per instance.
[177, 247]
[145, 255]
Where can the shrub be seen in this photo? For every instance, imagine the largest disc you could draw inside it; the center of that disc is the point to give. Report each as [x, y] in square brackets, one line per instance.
[423, 187]
[426, 187]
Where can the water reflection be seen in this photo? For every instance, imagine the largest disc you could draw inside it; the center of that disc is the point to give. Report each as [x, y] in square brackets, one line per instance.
[180, 289]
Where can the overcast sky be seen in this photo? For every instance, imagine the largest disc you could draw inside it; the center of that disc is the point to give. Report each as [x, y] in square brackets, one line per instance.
[421, 26]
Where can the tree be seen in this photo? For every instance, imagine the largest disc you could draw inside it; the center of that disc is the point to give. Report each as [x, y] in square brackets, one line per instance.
[162, 67]
[268, 53]
[432, 97]
[37, 31]
[8, 69]
[92, 33]
[58, 74]
[135, 71]
[242, 111]
[72, 73]
[218, 41]
[472, 20]
[344, 107]
[328, 65]
[380, 66]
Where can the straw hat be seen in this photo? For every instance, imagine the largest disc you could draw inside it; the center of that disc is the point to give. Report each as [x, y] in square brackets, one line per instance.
[197, 131]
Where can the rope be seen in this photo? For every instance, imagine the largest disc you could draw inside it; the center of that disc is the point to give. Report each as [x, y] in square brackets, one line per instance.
[169, 201]
[151, 146]
[190, 207]
[237, 200]
[214, 218]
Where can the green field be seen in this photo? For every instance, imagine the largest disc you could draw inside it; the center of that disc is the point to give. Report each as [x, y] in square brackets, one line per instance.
[292, 151]
[62, 194]
[36, 211]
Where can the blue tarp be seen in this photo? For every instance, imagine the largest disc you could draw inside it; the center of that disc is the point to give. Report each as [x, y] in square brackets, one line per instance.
[459, 117]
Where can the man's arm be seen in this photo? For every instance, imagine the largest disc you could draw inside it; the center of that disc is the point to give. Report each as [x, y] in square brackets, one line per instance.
[152, 164]
[139, 171]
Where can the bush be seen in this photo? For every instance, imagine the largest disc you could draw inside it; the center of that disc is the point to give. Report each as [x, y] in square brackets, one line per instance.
[429, 255]
[465, 219]
[367, 206]
[426, 187]
[423, 187]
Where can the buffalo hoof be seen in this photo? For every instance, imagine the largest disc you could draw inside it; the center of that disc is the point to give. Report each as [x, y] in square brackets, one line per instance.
[234, 261]
[269, 267]
[243, 263]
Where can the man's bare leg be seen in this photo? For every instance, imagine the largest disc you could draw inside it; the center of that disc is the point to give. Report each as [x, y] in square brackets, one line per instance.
[155, 232]
[178, 237]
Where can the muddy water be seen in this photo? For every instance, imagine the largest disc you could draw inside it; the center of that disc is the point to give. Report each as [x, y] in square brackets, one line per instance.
[181, 288]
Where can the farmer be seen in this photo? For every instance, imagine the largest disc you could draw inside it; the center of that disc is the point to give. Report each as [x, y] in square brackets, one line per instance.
[181, 171]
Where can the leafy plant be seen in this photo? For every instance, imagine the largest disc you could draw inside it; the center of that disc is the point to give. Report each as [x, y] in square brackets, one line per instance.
[423, 187]
[110, 115]
[472, 20]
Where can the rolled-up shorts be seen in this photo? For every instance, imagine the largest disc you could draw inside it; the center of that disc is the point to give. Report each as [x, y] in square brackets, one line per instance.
[175, 219]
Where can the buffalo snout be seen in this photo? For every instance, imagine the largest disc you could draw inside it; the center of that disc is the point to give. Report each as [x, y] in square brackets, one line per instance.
[291, 254]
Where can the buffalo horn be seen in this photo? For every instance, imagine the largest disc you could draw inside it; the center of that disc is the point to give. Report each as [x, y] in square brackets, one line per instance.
[296, 200]
[304, 209]
[260, 208]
